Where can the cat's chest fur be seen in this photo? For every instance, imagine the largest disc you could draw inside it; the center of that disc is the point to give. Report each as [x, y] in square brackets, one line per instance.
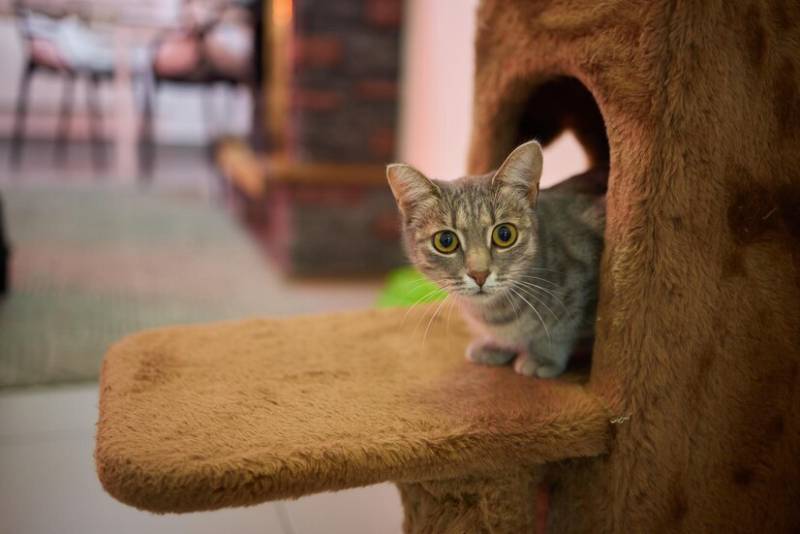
[554, 296]
[510, 328]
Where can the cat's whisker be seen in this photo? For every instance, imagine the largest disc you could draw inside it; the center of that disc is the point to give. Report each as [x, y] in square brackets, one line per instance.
[430, 321]
[541, 319]
[446, 288]
[547, 291]
[527, 280]
[511, 303]
[537, 278]
[411, 289]
[420, 320]
[421, 281]
[453, 304]
[540, 301]
[416, 284]
[543, 297]
[419, 300]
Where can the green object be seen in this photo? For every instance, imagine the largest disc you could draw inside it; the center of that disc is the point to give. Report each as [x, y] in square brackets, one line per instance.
[406, 287]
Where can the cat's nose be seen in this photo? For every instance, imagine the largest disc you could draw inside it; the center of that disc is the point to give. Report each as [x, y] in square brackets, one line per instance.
[479, 276]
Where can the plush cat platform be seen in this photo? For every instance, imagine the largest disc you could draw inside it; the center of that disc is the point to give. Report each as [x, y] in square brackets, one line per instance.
[231, 414]
[694, 109]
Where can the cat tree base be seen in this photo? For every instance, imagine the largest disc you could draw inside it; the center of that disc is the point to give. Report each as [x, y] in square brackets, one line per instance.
[234, 414]
[502, 503]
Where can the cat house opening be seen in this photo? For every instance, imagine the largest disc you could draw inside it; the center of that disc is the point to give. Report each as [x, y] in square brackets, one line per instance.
[564, 117]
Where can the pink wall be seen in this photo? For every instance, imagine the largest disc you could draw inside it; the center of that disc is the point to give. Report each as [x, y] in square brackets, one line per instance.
[436, 108]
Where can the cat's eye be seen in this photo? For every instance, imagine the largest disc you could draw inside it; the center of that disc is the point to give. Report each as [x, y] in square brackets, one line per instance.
[504, 235]
[445, 241]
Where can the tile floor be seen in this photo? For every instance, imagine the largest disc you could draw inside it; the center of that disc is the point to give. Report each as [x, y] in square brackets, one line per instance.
[48, 483]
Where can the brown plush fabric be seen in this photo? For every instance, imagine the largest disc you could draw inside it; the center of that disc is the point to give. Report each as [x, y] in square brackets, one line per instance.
[472, 504]
[231, 414]
[698, 335]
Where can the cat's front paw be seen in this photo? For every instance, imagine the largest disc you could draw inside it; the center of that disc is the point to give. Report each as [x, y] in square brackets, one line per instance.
[526, 365]
[484, 352]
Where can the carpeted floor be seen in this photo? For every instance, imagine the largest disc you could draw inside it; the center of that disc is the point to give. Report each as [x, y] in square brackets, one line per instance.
[92, 264]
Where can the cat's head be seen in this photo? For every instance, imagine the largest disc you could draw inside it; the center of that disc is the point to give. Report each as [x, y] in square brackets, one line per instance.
[473, 236]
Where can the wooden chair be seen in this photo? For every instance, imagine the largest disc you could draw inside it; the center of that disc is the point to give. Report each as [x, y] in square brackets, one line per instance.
[186, 56]
[44, 55]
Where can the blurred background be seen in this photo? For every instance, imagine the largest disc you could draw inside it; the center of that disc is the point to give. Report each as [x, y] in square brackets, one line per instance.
[178, 161]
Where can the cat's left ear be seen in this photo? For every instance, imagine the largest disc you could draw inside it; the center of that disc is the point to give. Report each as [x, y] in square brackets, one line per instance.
[521, 171]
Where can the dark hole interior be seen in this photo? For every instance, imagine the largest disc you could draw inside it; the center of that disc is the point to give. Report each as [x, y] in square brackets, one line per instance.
[559, 105]
[565, 104]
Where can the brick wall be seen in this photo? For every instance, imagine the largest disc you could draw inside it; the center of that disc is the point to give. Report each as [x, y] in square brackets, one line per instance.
[331, 230]
[344, 94]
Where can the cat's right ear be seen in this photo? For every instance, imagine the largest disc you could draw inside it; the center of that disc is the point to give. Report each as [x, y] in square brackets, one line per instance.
[410, 188]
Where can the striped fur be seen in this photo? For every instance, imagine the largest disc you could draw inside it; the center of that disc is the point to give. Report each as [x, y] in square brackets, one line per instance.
[540, 296]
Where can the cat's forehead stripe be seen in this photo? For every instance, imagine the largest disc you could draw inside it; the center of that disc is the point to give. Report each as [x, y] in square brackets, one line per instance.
[468, 205]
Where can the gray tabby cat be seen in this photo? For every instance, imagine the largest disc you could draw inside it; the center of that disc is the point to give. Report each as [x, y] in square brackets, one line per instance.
[523, 264]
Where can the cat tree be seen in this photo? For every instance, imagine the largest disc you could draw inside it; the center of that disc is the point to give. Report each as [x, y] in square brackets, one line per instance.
[690, 418]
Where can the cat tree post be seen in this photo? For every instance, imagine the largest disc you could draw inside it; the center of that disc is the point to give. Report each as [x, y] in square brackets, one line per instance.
[233, 414]
[694, 109]
[472, 504]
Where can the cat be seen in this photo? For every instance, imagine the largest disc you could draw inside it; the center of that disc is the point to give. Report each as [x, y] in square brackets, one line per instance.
[522, 264]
